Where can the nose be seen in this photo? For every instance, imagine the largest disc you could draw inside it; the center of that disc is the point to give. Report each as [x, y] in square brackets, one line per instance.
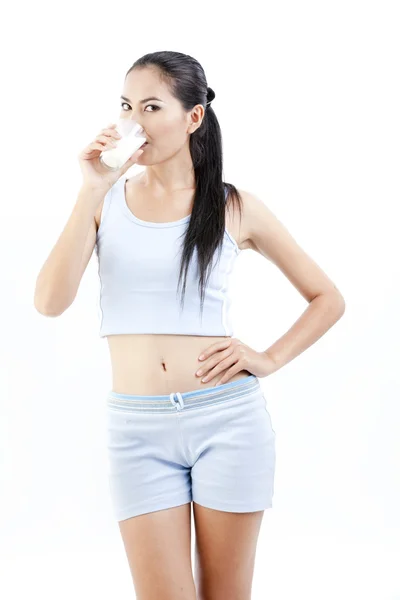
[135, 117]
[140, 125]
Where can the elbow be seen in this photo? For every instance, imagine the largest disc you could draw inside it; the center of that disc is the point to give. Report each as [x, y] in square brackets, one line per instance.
[341, 303]
[49, 308]
[48, 313]
[334, 301]
[48, 303]
[338, 303]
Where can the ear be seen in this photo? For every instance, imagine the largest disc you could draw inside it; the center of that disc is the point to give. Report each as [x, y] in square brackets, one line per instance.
[196, 117]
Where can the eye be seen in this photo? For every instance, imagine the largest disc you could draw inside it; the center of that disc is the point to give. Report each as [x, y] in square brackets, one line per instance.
[152, 105]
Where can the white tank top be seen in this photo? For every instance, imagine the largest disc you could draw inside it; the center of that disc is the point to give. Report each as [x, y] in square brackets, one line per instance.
[138, 266]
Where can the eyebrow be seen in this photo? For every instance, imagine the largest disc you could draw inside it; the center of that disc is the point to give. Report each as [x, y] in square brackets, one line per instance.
[142, 101]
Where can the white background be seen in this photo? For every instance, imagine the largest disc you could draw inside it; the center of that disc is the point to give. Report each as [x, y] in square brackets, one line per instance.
[307, 96]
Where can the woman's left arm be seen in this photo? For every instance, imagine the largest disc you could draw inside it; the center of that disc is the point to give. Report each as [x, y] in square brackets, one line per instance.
[323, 312]
[268, 236]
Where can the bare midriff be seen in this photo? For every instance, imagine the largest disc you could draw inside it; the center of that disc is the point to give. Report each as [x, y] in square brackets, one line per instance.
[159, 364]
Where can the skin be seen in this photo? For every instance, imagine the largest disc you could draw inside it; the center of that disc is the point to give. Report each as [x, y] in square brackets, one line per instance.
[160, 364]
[158, 544]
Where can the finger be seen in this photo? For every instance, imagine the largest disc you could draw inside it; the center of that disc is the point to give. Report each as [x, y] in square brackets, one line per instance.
[217, 358]
[219, 367]
[107, 141]
[214, 347]
[227, 375]
[95, 146]
[111, 133]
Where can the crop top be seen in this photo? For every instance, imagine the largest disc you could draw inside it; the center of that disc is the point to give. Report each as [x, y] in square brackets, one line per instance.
[138, 267]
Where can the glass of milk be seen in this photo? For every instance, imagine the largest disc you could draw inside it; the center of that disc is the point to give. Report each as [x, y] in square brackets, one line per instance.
[132, 138]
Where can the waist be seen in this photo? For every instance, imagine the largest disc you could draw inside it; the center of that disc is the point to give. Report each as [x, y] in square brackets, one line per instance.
[149, 364]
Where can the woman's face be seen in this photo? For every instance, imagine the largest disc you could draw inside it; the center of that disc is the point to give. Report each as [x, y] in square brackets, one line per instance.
[166, 125]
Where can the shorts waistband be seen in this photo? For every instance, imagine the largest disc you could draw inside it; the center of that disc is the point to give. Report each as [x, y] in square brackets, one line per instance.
[184, 400]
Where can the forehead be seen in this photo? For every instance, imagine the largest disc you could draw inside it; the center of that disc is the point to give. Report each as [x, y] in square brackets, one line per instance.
[143, 83]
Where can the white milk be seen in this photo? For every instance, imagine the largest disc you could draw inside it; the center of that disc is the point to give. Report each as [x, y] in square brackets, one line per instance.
[131, 140]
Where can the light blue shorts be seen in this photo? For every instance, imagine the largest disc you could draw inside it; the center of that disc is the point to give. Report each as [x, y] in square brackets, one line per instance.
[215, 446]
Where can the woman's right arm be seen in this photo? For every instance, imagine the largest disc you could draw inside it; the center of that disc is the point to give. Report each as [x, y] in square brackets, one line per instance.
[59, 278]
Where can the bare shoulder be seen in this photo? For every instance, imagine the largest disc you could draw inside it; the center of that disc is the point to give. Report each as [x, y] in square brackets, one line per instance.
[259, 224]
[268, 236]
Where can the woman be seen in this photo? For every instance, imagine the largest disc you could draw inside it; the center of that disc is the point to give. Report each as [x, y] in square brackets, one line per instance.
[181, 429]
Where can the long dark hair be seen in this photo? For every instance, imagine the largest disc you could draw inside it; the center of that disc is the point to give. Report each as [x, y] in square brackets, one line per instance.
[187, 82]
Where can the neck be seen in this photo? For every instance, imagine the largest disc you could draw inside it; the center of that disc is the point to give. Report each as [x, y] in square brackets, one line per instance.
[175, 174]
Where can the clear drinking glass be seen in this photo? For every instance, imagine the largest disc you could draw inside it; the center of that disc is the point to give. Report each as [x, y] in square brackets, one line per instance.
[132, 138]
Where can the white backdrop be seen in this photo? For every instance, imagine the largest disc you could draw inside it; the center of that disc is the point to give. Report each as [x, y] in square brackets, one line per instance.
[307, 95]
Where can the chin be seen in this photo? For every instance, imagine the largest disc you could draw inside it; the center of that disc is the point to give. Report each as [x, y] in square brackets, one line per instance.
[143, 157]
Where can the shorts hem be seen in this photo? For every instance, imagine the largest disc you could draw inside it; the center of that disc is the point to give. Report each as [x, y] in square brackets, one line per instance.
[231, 507]
[149, 506]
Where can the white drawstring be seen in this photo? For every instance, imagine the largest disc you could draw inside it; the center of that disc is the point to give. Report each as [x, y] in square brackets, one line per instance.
[180, 399]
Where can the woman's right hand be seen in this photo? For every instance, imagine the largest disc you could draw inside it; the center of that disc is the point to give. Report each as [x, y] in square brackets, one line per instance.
[95, 174]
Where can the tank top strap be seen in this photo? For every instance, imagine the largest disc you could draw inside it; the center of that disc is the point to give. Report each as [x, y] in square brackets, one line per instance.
[114, 196]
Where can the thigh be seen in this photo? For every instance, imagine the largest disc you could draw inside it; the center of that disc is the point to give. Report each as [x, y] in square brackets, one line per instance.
[157, 546]
[146, 468]
[233, 450]
[225, 552]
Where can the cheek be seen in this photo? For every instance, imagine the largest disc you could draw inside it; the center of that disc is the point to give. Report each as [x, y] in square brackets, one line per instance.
[169, 136]
[170, 143]
[171, 132]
